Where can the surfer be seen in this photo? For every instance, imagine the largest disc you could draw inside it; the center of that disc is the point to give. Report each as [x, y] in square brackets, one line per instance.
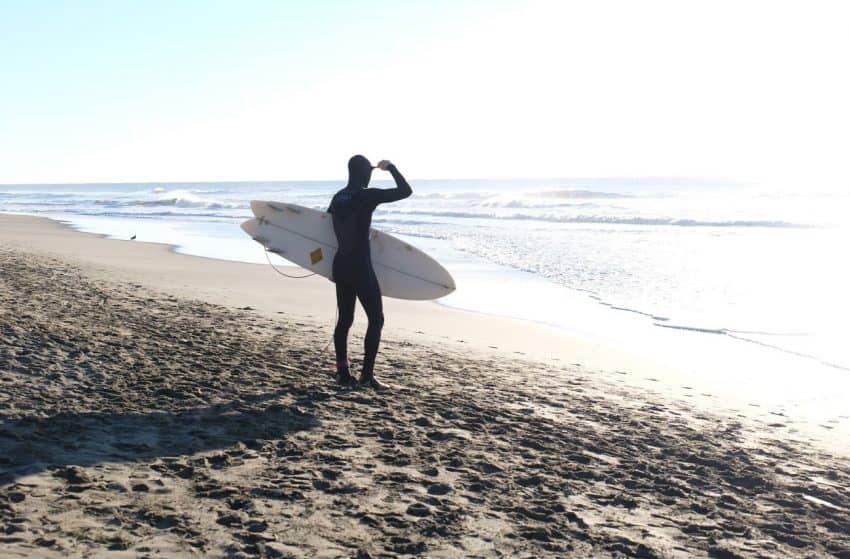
[353, 274]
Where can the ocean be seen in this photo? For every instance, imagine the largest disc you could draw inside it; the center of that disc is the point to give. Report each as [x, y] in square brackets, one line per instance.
[642, 263]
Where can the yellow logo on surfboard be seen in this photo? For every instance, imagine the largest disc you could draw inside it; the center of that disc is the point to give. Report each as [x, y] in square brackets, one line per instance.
[316, 256]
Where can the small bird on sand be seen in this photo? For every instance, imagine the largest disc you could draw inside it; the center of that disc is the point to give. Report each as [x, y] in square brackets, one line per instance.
[133, 238]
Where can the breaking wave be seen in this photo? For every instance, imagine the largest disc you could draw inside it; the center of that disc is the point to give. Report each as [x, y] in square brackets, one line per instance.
[610, 220]
[172, 198]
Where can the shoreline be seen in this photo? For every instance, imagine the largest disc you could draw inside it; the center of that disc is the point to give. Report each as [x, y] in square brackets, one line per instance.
[44, 235]
[764, 322]
[708, 377]
[139, 422]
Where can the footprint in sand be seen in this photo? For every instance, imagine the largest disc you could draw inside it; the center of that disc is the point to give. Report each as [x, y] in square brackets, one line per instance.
[418, 509]
[439, 489]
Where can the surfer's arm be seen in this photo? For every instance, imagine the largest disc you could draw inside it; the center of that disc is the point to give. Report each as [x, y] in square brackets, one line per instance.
[383, 195]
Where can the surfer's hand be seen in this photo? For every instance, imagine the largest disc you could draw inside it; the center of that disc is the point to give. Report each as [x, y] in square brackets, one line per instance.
[383, 164]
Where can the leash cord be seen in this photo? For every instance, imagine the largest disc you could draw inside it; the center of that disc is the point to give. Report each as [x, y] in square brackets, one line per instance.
[282, 273]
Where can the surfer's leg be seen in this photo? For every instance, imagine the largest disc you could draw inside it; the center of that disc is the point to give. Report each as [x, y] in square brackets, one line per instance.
[345, 298]
[369, 293]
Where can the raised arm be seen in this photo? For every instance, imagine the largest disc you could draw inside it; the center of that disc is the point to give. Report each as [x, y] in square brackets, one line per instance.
[383, 195]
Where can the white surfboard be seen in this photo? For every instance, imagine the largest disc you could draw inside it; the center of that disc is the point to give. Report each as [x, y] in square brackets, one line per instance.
[305, 237]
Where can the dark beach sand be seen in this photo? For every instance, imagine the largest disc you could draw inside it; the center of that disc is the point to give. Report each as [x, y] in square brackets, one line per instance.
[134, 423]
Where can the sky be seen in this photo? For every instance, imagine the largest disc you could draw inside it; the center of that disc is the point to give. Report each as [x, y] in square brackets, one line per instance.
[206, 90]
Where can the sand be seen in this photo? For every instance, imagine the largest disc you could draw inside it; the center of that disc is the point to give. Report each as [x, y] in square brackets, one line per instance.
[155, 404]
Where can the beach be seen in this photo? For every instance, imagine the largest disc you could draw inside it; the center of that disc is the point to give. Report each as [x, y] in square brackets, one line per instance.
[155, 403]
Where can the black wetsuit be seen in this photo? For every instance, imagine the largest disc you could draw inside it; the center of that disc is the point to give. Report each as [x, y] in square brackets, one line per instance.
[353, 274]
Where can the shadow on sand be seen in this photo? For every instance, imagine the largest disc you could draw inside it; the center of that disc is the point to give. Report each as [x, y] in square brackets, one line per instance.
[32, 445]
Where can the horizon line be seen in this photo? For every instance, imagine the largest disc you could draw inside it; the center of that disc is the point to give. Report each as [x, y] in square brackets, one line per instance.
[641, 178]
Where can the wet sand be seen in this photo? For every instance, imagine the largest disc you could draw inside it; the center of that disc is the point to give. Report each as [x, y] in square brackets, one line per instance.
[140, 418]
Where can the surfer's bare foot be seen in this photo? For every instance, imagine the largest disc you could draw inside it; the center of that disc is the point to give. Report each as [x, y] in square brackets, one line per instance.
[372, 383]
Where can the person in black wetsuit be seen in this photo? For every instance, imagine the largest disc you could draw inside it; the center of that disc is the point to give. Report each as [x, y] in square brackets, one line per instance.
[352, 209]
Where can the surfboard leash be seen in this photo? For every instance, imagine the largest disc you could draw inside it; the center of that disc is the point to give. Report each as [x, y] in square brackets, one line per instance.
[269, 260]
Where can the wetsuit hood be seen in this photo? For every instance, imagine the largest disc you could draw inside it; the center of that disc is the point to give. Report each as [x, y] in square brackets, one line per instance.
[359, 172]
